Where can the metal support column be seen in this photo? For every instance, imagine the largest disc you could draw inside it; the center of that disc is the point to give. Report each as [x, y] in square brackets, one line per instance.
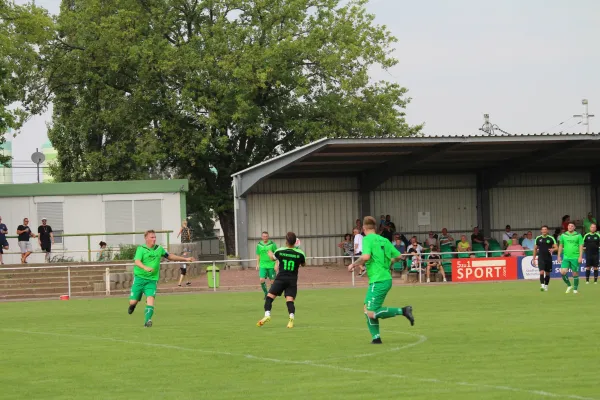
[483, 204]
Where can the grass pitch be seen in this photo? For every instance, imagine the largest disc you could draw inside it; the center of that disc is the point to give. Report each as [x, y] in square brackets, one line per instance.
[474, 341]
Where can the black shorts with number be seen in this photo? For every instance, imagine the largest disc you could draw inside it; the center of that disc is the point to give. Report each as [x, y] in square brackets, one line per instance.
[289, 286]
[46, 246]
[591, 260]
[545, 264]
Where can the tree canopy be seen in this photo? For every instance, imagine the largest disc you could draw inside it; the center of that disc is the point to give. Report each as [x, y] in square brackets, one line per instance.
[205, 88]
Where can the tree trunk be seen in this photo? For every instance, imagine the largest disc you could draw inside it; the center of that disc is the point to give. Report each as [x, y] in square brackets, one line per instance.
[227, 220]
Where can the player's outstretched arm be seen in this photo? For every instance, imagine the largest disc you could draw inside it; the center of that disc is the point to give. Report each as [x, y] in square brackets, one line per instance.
[173, 257]
[272, 256]
[361, 261]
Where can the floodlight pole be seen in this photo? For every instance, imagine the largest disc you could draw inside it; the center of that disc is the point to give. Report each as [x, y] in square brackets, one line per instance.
[585, 117]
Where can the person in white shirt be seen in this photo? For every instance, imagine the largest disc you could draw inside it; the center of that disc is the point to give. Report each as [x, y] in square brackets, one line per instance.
[358, 238]
[507, 236]
[414, 251]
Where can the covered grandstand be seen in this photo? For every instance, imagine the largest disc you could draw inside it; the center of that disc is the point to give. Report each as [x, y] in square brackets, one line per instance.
[424, 183]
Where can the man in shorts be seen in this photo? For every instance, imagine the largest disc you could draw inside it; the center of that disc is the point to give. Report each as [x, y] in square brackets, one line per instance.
[264, 265]
[591, 244]
[544, 246]
[45, 238]
[146, 273]
[183, 269]
[3, 241]
[571, 242]
[24, 233]
[289, 260]
[378, 257]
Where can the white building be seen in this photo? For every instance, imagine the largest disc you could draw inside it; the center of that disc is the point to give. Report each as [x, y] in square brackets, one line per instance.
[83, 208]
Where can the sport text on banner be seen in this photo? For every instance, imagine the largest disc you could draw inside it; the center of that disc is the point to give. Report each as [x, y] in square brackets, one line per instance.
[484, 269]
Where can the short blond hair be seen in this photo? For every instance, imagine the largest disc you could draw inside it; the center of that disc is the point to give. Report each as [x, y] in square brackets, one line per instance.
[369, 222]
[149, 231]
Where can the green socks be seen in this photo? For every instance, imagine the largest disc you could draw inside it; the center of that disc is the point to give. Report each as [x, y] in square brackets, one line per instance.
[148, 313]
[263, 285]
[373, 325]
[575, 282]
[567, 281]
[388, 312]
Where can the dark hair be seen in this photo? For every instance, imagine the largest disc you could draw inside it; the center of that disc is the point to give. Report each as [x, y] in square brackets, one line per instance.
[291, 238]
[564, 218]
[545, 226]
[347, 235]
[102, 244]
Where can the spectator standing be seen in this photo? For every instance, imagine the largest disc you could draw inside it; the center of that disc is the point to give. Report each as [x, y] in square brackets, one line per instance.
[24, 233]
[3, 241]
[528, 243]
[557, 233]
[507, 236]
[183, 269]
[358, 225]
[587, 223]
[388, 233]
[185, 232]
[566, 220]
[45, 238]
[515, 249]
[347, 246]
[358, 239]
[477, 237]
[104, 254]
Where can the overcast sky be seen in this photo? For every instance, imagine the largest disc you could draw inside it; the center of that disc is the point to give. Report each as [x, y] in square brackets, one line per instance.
[526, 63]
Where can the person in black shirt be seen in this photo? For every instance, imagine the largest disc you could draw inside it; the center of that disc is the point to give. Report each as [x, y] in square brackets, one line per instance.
[289, 260]
[45, 238]
[24, 233]
[591, 243]
[544, 246]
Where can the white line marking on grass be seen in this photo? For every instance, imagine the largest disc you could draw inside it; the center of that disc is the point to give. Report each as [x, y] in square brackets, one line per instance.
[312, 364]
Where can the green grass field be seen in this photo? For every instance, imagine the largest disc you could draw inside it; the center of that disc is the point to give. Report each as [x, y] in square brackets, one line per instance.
[478, 341]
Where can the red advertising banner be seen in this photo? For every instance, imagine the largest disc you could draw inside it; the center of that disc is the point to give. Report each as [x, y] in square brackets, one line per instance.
[484, 269]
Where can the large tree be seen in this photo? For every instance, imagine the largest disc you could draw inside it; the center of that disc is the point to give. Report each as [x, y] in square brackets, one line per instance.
[22, 30]
[199, 86]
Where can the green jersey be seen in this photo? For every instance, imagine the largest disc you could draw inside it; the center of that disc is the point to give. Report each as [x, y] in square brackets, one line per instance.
[381, 251]
[571, 243]
[262, 251]
[150, 257]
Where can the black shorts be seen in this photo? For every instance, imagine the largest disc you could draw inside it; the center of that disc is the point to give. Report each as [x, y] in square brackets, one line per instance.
[289, 286]
[3, 244]
[183, 271]
[47, 247]
[545, 264]
[591, 260]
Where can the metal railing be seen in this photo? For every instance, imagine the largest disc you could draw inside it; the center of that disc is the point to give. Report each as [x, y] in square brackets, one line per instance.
[214, 264]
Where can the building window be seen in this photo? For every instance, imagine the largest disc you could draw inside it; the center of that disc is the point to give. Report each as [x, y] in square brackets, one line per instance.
[53, 212]
[132, 216]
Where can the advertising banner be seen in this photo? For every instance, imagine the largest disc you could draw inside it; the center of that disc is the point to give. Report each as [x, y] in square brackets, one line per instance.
[484, 269]
[526, 269]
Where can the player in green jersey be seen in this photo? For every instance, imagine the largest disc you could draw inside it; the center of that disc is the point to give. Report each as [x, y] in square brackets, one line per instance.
[146, 273]
[571, 243]
[378, 256]
[264, 265]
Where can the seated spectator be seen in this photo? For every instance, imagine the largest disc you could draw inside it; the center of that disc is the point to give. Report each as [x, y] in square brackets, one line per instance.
[463, 246]
[399, 244]
[528, 242]
[507, 236]
[431, 240]
[514, 249]
[104, 254]
[414, 251]
[446, 239]
[477, 237]
[557, 233]
[435, 261]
